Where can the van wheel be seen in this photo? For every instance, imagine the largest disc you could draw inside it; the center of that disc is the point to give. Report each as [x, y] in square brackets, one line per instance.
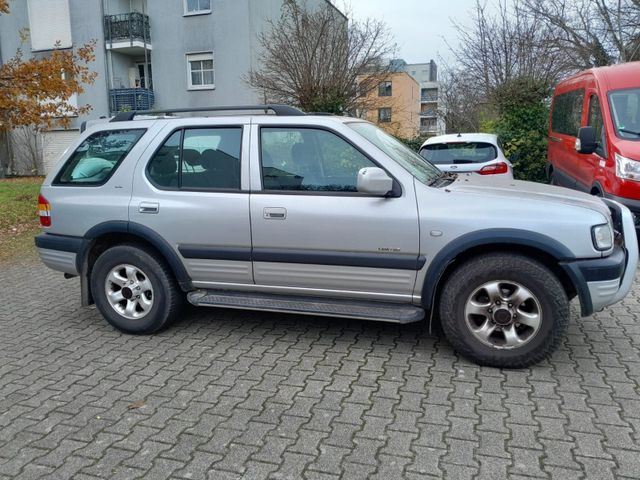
[133, 291]
[504, 310]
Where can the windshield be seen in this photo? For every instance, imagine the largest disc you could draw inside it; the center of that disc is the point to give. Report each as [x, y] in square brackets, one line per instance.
[403, 155]
[625, 110]
[459, 153]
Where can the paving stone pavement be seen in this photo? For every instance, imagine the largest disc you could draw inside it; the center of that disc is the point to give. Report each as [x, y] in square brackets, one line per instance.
[247, 395]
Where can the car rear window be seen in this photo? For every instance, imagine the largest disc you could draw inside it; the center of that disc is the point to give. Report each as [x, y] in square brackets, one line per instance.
[97, 157]
[459, 153]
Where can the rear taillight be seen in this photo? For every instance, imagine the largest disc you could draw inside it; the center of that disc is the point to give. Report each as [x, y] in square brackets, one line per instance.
[44, 211]
[494, 169]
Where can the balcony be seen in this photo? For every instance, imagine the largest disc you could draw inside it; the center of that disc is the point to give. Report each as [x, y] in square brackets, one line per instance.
[127, 33]
[129, 99]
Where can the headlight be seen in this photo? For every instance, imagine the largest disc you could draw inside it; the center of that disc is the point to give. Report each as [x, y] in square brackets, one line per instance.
[627, 168]
[602, 236]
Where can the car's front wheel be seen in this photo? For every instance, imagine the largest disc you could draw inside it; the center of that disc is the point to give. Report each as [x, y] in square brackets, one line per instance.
[135, 292]
[504, 310]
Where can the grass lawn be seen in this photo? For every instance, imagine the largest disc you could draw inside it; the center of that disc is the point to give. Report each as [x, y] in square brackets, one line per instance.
[18, 217]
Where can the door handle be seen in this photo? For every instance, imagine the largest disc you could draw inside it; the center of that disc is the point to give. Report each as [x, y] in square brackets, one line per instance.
[148, 207]
[275, 213]
[555, 139]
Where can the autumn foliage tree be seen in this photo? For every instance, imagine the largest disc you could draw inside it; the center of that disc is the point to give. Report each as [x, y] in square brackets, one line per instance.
[36, 91]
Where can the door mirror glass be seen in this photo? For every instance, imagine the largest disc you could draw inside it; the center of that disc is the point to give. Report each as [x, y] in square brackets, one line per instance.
[374, 181]
[587, 141]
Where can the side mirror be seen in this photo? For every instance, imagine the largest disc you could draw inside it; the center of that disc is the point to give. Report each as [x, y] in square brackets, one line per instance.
[374, 181]
[586, 142]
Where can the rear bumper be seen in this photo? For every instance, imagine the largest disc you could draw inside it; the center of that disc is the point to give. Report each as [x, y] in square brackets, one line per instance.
[604, 281]
[59, 252]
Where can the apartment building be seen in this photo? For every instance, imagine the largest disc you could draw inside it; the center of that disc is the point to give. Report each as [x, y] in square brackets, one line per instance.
[426, 74]
[158, 54]
[394, 104]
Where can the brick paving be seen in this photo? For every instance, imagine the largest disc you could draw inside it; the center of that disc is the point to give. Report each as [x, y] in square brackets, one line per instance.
[247, 395]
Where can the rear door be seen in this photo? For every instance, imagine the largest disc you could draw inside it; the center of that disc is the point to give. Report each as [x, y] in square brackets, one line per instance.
[313, 233]
[191, 188]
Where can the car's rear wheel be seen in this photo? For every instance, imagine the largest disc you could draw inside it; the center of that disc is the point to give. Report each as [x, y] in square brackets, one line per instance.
[504, 310]
[135, 292]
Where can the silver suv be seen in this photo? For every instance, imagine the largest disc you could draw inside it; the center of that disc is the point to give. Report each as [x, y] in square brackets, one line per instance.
[324, 215]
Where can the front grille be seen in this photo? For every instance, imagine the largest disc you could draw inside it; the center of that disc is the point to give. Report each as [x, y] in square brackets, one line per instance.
[616, 219]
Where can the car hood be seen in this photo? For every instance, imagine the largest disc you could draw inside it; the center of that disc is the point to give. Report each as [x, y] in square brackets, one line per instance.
[517, 190]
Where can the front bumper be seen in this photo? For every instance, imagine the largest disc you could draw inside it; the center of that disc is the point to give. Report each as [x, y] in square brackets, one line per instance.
[604, 281]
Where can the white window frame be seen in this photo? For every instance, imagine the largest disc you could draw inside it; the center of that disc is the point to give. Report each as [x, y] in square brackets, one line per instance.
[199, 56]
[205, 11]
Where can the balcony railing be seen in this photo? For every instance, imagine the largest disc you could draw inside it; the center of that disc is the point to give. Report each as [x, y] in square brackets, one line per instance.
[127, 26]
[128, 99]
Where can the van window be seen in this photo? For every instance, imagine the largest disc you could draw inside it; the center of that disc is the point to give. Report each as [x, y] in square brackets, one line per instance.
[567, 112]
[625, 110]
[97, 157]
[595, 121]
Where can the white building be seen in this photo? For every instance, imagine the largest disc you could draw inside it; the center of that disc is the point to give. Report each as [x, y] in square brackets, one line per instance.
[426, 74]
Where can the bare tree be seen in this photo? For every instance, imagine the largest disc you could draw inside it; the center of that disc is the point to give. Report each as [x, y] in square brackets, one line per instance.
[592, 33]
[508, 45]
[320, 61]
[460, 102]
[26, 150]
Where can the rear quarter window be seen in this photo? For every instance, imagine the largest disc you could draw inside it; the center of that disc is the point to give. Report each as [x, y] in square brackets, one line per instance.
[567, 112]
[98, 157]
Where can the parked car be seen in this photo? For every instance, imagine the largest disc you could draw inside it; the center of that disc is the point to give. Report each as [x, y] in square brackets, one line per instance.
[324, 215]
[467, 153]
[594, 138]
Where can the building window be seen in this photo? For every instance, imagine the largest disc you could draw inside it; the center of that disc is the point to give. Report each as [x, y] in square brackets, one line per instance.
[384, 89]
[429, 95]
[384, 115]
[200, 71]
[49, 24]
[197, 7]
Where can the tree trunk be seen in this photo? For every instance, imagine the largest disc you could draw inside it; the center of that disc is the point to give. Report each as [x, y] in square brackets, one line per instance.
[4, 154]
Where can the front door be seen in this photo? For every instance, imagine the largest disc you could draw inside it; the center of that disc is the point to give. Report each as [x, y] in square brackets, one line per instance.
[189, 191]
[589, 165]
[314, 234]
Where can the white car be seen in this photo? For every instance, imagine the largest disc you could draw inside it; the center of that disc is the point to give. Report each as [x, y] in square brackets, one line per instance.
[467, 153]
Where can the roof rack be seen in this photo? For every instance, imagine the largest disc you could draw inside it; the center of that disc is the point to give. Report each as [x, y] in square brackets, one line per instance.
[280, 110]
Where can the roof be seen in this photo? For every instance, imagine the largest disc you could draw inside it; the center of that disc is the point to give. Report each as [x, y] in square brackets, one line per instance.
[463, 137]
[612, 77]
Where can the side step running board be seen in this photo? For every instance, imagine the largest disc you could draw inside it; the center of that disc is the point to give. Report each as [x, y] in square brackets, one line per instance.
[385, 312]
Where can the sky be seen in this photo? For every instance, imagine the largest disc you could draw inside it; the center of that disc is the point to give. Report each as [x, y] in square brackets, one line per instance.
[420, 27]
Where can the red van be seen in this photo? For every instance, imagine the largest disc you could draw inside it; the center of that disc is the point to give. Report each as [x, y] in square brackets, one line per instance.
[594, 135]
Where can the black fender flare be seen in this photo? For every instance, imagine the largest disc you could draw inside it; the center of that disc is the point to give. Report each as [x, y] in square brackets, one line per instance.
[489, 237]
[145, 233]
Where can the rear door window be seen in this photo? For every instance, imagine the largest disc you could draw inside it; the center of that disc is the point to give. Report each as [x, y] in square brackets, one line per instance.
[198, 159]
[97, 157]
[459, 153]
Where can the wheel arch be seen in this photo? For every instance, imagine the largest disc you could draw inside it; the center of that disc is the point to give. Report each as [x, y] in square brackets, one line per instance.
[105, 235]
[539, 247]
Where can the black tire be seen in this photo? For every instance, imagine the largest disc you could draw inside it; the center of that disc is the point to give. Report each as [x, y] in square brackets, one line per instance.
[167, 296]
[538, 279]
